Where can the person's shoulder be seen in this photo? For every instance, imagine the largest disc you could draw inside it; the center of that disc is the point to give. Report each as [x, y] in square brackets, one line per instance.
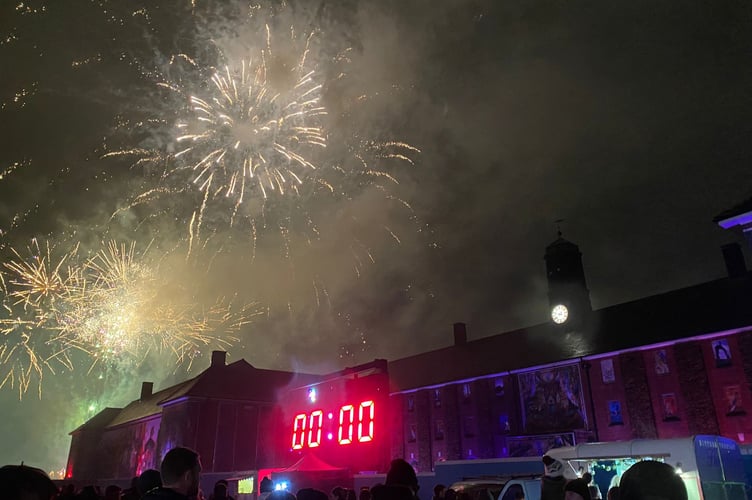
[163, 494]
[391, 492]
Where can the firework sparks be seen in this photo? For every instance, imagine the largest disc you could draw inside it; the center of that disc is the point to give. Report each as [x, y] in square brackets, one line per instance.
[253, 130]
[114, 306]
[34, 286]
[126, 308]
[250, 142]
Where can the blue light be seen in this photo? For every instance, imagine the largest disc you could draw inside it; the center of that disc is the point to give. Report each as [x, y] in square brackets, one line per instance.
[312, 395]
[280, 486]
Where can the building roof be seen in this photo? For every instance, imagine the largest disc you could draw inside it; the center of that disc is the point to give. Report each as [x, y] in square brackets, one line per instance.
[711, 307]
[98, 421]
[144, 408]
[235, 381]
[735, 211]
[241, 381]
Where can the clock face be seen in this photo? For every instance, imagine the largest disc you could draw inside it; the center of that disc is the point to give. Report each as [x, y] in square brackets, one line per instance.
[559, 314]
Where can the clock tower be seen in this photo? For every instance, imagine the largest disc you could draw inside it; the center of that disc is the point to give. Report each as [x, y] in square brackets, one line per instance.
[568, 295]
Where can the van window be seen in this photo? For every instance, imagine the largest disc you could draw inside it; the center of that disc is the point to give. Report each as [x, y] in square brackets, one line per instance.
[514, 492]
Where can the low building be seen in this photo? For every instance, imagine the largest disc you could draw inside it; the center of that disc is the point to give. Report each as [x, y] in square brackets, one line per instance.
[218, 413]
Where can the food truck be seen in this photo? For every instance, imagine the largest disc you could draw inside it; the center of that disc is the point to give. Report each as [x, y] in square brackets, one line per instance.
[710, 466]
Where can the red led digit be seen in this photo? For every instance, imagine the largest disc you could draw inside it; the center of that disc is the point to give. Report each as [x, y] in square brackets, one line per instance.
[350, 411]
[298, 431]
[366, 407]
[314, 429]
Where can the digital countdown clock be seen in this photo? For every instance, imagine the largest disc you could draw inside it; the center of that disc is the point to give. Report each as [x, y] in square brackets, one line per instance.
[342, 419]
[307, 427]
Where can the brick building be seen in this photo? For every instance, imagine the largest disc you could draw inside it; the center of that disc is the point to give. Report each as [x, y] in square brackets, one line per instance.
[218, 413]
[670, 365]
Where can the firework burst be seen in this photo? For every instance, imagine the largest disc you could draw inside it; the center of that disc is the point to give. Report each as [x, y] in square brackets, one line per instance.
[32, 287]
[249, 145]
[126, 307]
[255, 129]
[117, 306]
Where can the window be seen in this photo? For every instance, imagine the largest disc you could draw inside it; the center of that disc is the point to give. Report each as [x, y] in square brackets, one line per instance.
[614, 413]
[437, 398]
[469, 426]
[412, 433]
[670, 407]
[467, 392]
[504, 426]
[438, 430]
[499, 386]
[514, 492]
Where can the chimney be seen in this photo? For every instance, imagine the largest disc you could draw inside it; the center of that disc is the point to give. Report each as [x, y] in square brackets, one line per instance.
[734, 259]
[218, 358]
[146, 388]
[460, 334]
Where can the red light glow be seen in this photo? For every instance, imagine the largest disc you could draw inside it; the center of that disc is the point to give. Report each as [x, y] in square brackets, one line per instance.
[313, 424]
[345, 415]
[298, 427]
[316, 419]
[367, 406]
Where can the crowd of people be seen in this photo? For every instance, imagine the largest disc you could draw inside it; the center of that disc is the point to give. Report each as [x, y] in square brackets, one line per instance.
[180, 471]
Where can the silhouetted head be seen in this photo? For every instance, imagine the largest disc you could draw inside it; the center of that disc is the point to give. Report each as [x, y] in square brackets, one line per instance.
[651, 480]
[181, 470]
[311, 494]
[402, 473]
[148, 480]
[26, 483]
[576, 489]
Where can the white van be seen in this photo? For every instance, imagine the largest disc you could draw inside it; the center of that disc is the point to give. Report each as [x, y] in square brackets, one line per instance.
[499, 488]
[711, 466]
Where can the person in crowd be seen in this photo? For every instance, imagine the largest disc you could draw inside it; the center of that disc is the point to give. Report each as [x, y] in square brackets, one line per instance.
[350, 495]
[220, 491]
[147, 481]
[338, 493]
[68, 492]
[577, 489]
[281, 495]
[132, 492]
[88, 493]
[365, 493]
[28, 483]
[595, 490]
[391, 492]
[553, 481]
[652, 480]
[401, 482]
[180, 471]
[266, 487]
[402, 473]
[311, 494]
[112, 492]
[450, 494]
[613, 493]
[438, 492]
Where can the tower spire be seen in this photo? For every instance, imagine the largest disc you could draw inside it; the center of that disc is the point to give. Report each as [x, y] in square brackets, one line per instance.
[558, 227]
[568, 295]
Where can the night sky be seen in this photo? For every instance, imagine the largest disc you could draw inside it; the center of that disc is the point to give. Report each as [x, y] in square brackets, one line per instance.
[628, 120]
